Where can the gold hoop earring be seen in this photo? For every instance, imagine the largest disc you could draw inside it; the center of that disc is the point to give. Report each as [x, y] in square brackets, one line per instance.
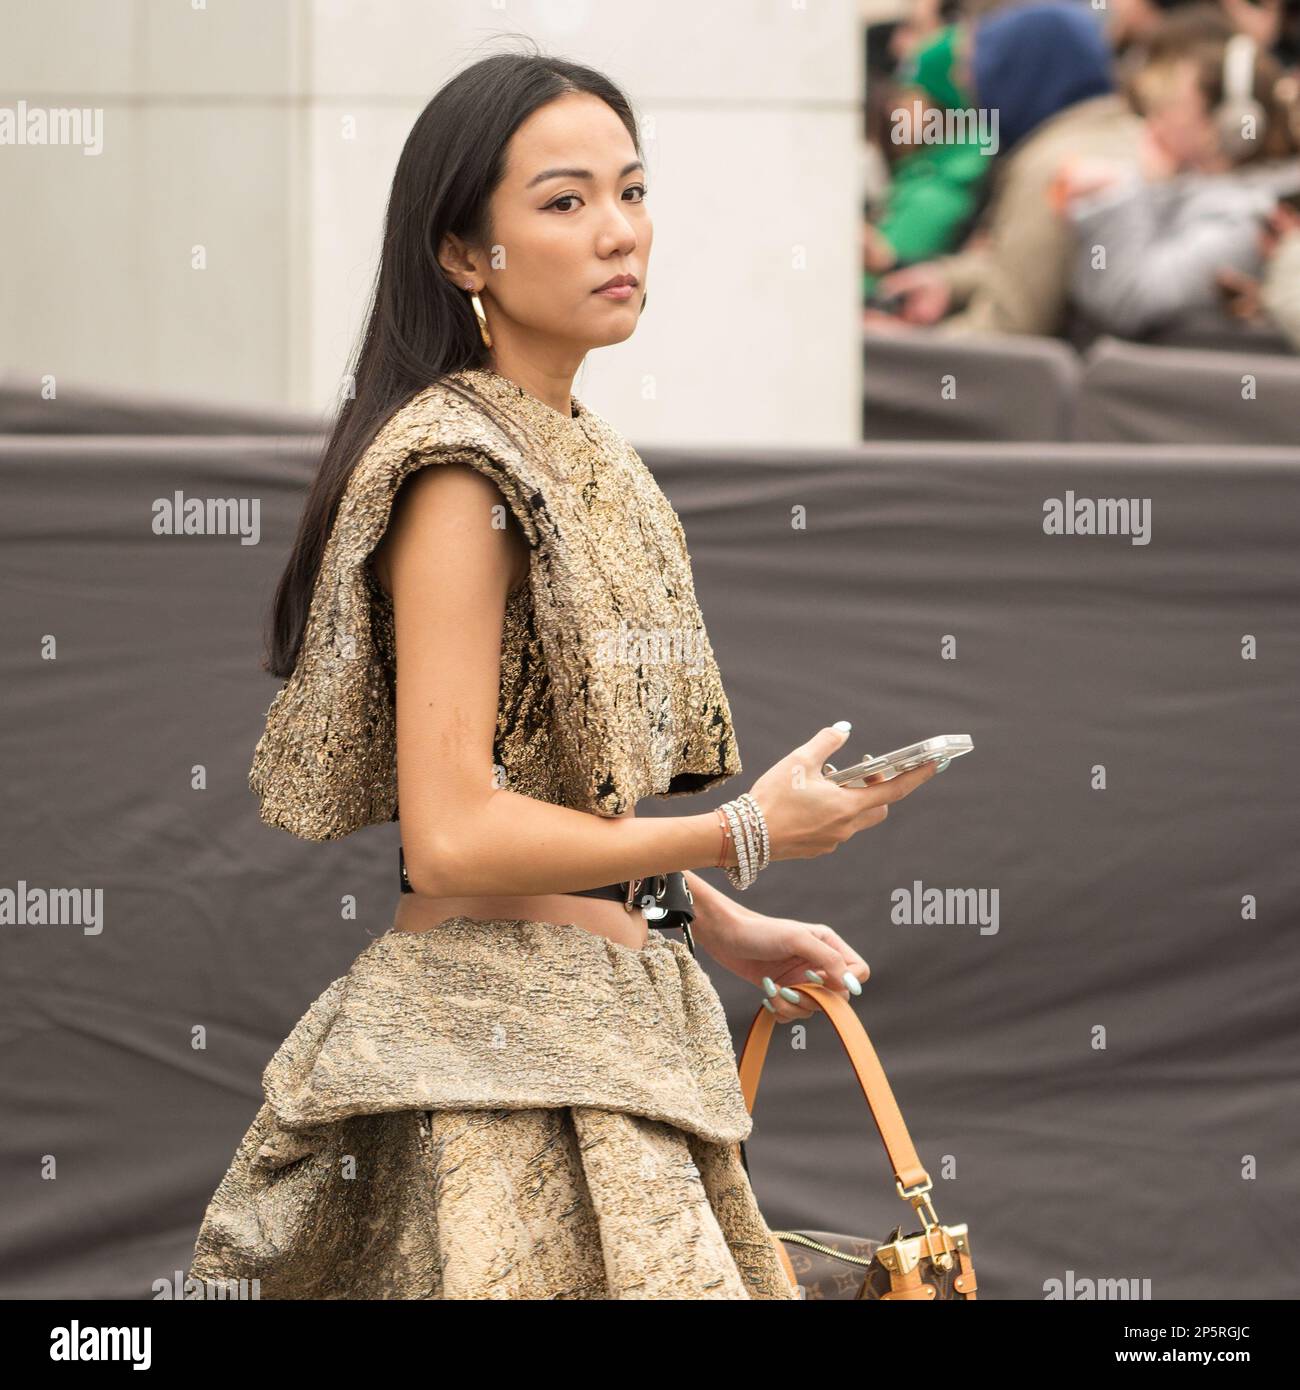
[477, 305]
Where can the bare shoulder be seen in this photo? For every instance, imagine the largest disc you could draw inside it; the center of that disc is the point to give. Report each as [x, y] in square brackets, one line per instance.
[450, 509]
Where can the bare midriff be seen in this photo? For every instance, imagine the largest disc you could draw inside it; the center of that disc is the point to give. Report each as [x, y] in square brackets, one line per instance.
[603, 916]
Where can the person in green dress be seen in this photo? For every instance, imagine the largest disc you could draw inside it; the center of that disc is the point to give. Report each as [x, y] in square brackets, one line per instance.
[935, 190]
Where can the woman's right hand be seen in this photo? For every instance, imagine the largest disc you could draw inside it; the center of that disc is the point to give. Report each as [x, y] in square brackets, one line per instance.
[808, 815]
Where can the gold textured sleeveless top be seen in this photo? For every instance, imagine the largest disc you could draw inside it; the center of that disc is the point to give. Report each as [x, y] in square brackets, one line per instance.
[609, 688]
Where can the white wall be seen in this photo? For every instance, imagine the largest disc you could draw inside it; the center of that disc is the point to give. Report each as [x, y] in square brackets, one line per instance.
[224, 127]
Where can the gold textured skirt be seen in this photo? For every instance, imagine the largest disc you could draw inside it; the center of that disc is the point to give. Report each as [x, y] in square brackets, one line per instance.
[499, 1109]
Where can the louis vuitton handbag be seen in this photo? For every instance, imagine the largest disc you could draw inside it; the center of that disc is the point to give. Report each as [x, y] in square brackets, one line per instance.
[932, 1263]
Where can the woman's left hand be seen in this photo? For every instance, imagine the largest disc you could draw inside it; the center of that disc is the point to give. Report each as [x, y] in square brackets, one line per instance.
[779, 951]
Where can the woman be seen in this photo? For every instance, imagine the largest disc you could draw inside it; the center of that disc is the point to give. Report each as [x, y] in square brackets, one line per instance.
[519, 1091]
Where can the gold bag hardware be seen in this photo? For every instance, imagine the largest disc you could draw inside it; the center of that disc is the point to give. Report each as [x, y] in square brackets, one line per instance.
[933, 1263]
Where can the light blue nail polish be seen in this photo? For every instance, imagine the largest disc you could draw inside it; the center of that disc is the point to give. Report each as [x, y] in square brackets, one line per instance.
[790, 996]
[767, 1004]
[813, 976]
[851, 982]
[769, 986]
[942, 765]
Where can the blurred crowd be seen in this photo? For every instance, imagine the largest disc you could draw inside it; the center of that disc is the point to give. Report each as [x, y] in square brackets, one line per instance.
[1080, 167]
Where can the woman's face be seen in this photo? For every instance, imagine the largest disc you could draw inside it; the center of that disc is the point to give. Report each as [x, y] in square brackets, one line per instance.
[558, 236]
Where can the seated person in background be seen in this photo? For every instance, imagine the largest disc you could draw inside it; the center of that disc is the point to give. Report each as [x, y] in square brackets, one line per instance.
[934, 192]
[1045, 70]
[921, 21]
[1273, 24]
[1280, 291]
[1275, 299]
[1217, 151]
[1131, 24]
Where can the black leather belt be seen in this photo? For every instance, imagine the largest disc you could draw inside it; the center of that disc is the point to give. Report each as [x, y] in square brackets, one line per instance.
[665, 899]
[660, 896]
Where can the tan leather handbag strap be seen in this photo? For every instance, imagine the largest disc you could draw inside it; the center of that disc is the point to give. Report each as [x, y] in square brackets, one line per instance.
[908, 1171]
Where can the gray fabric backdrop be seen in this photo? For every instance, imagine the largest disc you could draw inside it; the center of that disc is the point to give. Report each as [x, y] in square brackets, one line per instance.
[1103, 1087]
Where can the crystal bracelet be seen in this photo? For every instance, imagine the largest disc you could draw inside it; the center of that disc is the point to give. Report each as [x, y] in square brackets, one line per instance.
[748, 828]
[756, 811]
[740, 875]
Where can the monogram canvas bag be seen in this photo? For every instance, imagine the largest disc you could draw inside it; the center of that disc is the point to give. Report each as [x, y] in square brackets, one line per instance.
[932, 1263]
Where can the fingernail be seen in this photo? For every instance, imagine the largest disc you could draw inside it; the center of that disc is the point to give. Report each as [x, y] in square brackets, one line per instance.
[942, 765]
[790, 995]
[769, 986]
[851, 981]
[813, 976]
[767, 1004]
[843, 726]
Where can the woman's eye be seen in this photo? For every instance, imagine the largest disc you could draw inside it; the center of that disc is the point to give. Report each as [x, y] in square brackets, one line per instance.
[573, 197]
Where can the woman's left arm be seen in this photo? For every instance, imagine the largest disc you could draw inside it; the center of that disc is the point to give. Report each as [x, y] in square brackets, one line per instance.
[780, 952]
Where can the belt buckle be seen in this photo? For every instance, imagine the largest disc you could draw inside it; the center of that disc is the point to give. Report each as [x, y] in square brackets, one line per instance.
[650, 909]
[633, 887]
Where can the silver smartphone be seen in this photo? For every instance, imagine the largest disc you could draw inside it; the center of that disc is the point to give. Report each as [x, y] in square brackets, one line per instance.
[900, 760]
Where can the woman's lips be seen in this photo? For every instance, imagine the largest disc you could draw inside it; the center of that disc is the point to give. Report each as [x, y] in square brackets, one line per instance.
[617, 292]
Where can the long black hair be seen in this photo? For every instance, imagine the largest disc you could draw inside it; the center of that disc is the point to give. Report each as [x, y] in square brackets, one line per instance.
[420, 325]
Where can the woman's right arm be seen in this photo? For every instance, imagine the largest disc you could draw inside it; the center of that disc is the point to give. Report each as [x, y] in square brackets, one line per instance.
[449, 570]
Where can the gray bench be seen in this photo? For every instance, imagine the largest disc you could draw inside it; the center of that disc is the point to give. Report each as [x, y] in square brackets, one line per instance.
[922, 386]
[1135, 394]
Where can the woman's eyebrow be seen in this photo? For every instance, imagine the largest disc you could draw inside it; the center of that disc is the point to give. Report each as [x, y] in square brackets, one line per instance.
[579, 173]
